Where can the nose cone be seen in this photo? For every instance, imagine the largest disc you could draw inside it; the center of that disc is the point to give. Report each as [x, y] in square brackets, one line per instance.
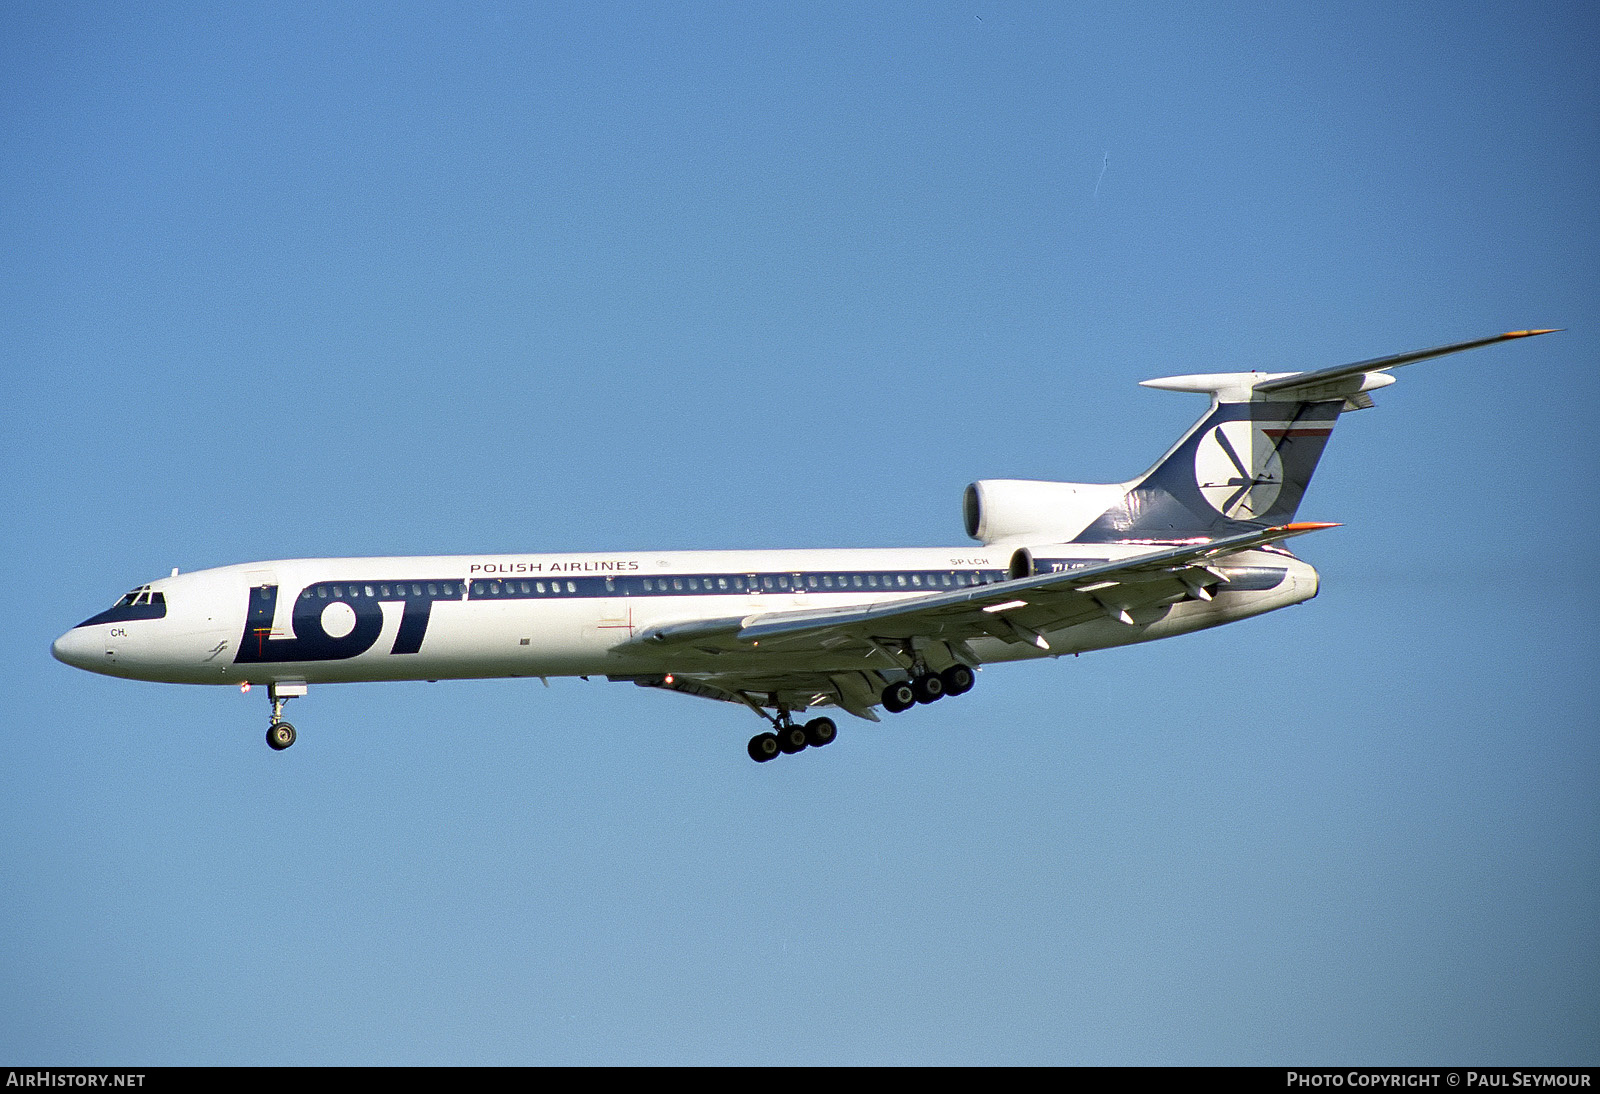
[81, 647]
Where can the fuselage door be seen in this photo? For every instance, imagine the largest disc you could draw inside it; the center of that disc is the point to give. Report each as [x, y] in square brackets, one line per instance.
[616, 611]
[266, 615]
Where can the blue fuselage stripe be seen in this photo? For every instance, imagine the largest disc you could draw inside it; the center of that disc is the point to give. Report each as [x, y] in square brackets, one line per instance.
[730, 584]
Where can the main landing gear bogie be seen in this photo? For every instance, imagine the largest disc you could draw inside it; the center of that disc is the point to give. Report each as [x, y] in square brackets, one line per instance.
[927, 687]
[789, 737]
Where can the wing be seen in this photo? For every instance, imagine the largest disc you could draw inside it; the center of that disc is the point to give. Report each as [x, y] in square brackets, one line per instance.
[1021, 610]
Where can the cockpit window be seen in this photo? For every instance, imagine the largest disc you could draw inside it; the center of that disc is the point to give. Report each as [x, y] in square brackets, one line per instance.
[140, 603]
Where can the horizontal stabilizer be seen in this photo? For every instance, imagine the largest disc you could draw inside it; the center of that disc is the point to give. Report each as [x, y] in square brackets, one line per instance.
[1338, 382]
[1287, 386]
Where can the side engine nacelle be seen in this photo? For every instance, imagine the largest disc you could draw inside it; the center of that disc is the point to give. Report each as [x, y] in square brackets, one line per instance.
[998, 510]
[1047, 558]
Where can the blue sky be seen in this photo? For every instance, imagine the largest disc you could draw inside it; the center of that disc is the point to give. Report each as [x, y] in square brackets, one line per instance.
[439, 278]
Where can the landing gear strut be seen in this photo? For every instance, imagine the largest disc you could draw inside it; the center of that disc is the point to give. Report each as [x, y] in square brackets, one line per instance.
[280, 734]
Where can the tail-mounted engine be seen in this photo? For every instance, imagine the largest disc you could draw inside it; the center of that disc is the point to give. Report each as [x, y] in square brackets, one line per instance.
[998, 510]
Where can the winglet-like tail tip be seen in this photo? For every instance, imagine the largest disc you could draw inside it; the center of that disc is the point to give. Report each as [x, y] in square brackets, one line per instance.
[1529, 333]
[1307, 526]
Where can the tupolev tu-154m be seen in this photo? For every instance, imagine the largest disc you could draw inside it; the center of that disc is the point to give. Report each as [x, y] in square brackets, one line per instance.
[1060, 567]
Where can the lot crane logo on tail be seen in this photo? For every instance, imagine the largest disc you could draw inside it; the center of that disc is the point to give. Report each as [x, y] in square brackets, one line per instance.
[1238, 470]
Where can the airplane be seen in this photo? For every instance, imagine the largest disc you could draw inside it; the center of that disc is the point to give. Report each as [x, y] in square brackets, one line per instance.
[1060, 568]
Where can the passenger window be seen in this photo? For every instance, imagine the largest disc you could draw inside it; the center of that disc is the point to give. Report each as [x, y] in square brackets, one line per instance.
[677, 584]
[322, 592]
[572, 586]
[694, 585]
[855, 579]
[539, 587]
[722, 583]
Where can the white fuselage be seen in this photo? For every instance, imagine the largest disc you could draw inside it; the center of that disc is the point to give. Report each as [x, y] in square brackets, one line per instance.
[407, 618]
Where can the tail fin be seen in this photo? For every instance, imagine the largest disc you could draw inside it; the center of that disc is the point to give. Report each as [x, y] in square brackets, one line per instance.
[1247, 463]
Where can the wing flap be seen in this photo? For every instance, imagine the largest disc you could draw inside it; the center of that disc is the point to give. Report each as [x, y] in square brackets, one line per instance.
[853, 692]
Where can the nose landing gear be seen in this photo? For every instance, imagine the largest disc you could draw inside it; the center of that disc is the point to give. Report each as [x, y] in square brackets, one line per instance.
[280, 734]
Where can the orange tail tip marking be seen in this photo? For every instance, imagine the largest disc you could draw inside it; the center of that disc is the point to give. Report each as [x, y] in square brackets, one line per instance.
[1527, 333]
[1307, 526]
